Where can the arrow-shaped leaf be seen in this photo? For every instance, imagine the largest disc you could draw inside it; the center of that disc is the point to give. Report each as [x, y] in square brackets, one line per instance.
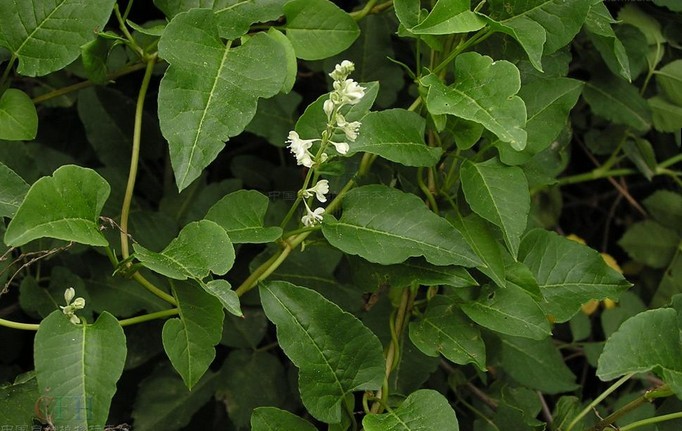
[500, 195]
[335, 353]
[79, 365]
[189, 339]
[241, 214]
[47, 35]
[484, 92]
[540, 26]
[64, 206]
[210, 91]
[445, 330]
[423, 410]
[387, 226]
[201, 248]
[396, 135]
[18, 116]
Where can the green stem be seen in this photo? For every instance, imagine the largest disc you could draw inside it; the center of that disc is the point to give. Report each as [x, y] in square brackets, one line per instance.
[594, 175]
[598, 400]
[425, 189]
[358, 15]
[269, 266]
[671, 161]
[153, 289]
[18, 325]
[397, 324]
[85, 84]
[473, 40]
[653, 420]
[150, 316]
[134, 159]
[5, 74]
[132, 43]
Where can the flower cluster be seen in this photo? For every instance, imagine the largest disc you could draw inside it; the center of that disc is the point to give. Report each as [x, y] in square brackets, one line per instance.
[311, 217]
[71, 307]
[346, 92]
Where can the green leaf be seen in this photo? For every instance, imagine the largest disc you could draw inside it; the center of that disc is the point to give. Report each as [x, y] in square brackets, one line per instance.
[673, 5]
[540, 26]
[649, 341]
[618, 101]
[18, 116]
[598, 26]
[665, 116]
[225, 85]
[274, 419]
[249, 380]
[650, 26]
[509, 311]
[671, 283]
[334, 352]
[94, 58]
[536, 364]
[478, 234]
[396, 135]
[549, 102]
[318, 28]
[222, 290]
[275, 117]
[650, 243]
[448, 17]
[641, 154]
[423, 410]
[484, 92]
[108, 117]
[244, 332]
[13, 191]
[201, 248]
[500, 195]
[18, 401]
[241, 214]
[189, 339]
[64, 206]
[414, 270]
[445, 330]
[669, 78]
[666, 208]
[163, 402]
[387, 226]
[314, 121]
[371, 53]
[80, 365]
[47, 35]
[568, 273]
[234, 17]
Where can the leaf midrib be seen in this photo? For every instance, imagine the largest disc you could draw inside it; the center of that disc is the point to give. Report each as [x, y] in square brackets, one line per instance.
[312, 341]
[39, 26]
[407, 239]
[627, 108]
[195, 144]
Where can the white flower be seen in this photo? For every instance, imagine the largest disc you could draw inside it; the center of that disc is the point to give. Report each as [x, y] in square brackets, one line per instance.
[350, 129]
[328, 107]
[341, 147]
[69, 294]
[348, 92]
[299, 147]
[312, 217]
[70, 309]
[320, 190]
[341, 71]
